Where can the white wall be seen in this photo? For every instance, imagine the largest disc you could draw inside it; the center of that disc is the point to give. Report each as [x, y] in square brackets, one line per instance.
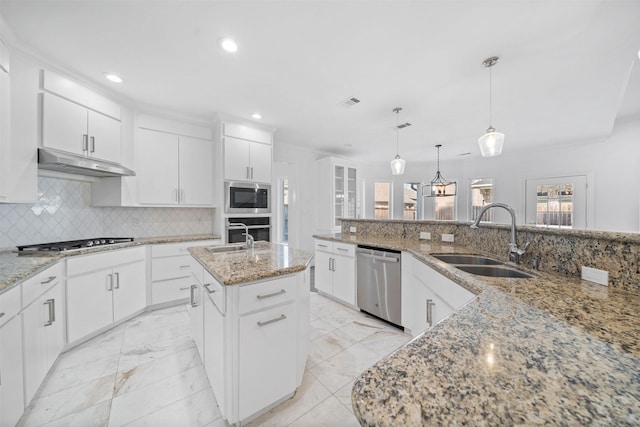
[611, 165]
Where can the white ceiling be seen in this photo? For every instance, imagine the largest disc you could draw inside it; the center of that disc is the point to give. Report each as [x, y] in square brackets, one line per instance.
[561, 78]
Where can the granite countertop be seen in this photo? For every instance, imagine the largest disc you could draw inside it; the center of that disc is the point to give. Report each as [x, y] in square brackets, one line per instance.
[263, 261]
[548, 350]
[14, 268]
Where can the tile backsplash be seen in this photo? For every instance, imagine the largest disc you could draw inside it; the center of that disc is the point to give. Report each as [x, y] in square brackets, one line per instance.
[64, 212]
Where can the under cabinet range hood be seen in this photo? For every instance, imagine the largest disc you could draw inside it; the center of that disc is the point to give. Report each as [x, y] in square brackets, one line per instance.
[61, 161]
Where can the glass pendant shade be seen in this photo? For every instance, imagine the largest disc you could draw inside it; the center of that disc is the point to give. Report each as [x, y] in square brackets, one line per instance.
[397, 166]
[491, 143]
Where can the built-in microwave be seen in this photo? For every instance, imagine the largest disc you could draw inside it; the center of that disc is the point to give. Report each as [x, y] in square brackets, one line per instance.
[246, 197]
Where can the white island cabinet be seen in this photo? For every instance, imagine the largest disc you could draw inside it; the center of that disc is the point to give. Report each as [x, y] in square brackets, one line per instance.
[256, 338]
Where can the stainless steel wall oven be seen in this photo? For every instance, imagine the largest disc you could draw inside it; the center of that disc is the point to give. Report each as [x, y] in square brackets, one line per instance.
[259, 228]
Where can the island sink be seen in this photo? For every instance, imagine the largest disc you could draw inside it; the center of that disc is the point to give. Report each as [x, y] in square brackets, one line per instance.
[466, 259]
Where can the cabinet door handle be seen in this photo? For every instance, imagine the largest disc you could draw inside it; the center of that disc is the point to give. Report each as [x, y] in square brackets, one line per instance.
[110, 288]
[49, 280]
[273, 294]
[85, 142]
[247, 171]
[184, 266]
[277, 319]
[52, 311]
[206, 286]
[182, 198]
[252, 173]
[117, 280]
[430, 305]
[192, 296]
[93, 144]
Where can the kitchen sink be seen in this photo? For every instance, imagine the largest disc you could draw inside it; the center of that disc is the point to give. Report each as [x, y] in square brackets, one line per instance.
[494, 271]
[466, 259]
[230, 248]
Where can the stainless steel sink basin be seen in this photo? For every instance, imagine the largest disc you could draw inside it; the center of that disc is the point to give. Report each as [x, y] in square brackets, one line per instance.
[466, 259]
[230, 248]
[494, 271]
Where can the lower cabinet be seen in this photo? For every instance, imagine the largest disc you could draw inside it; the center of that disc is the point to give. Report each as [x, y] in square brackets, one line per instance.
[336, 270]
[11, 381]
[104, 288]
[428, 297]
[255, 342]
[196, 316]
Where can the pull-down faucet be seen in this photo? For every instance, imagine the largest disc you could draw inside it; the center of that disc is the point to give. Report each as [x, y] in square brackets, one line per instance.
[248, 241]
[515, 253]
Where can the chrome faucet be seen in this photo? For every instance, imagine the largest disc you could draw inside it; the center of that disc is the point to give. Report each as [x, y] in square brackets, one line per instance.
[248, 240]
[515, 253]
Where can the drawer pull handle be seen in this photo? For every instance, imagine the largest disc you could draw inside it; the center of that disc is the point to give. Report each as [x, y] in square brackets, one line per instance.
[273, 294]
[49, 280]
[185, 266]
[277, 319]
[343, 249]
[206, 286]
[322, 246]
[185, 289]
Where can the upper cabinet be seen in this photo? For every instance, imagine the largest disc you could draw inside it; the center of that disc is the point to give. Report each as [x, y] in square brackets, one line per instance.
[247, 153]
[338, 189]
[79, 121]
[5, 116]
[174, 169]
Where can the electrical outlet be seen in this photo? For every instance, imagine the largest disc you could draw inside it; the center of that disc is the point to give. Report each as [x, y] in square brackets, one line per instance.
[425, 235]
[352, 229]
[600, 277]
[447, 237]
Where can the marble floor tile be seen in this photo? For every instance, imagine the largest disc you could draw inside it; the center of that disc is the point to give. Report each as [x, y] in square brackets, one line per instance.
[362, 328]
[106, 344]
[64, 378]
[341, 316]
[196, 410]
[326, 346]
[310, 393]
[336, 372]
[386, 341]
[319, 328]
[138, 355]
[344, 395]
[329, 413]
[94, 416]
[130, 406]
[159, 319]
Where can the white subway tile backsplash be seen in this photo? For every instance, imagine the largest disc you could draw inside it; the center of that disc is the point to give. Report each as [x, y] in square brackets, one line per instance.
[64, 212]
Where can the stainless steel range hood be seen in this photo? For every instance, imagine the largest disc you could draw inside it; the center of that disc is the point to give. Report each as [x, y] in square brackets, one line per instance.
[61, 161]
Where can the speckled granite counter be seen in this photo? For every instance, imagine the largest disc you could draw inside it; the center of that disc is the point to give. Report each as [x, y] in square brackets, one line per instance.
[549, 350]
[263, 261]
[14, 268]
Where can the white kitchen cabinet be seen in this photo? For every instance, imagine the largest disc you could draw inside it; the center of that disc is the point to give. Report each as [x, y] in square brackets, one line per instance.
[104, 288]
[338, 191]
[196, 315]
[247, 160]
[214, 341]
[336, 270]
[5, 117]
[43, 328]
[71, 127]
[11, 363]
[171, 270]
[428, 297]
[173, 169]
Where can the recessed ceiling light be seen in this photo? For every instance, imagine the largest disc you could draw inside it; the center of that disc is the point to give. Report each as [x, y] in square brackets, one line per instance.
[256, 116]
[113, 77]
[228, 44]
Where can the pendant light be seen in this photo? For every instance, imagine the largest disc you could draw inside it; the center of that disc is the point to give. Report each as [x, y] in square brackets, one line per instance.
[440, 187]
[491, 142]
[397, 164]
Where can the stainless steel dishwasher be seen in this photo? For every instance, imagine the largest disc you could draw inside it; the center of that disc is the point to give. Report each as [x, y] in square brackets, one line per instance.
[378, 283]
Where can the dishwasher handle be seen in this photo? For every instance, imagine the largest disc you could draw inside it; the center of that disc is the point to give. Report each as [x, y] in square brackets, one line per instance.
[378, 258]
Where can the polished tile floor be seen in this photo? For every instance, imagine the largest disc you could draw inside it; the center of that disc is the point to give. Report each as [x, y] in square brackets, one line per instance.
[147, 372]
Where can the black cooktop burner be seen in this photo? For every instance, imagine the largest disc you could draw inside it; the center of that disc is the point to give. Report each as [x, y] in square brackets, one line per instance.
[73, 244]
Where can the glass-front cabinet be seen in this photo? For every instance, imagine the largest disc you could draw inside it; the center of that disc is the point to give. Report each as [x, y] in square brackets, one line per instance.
[338, 184]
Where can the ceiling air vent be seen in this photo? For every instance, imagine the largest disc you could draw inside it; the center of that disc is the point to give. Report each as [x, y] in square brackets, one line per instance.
[350, 102]
[404, 125]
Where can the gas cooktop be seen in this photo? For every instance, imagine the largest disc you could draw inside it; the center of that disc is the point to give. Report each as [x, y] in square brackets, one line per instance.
[73, 244]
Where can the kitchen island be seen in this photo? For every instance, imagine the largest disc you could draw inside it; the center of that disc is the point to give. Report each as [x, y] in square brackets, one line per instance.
[547, 350]
[250, 321]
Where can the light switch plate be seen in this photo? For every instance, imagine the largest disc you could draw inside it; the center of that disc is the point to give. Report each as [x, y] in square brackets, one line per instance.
[600, 277]
[447, 237]
[425, 235]
[352, 229]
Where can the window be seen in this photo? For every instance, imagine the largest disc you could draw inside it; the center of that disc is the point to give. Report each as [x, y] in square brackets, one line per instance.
[445, 208]
[283, 197]
[554, 205]
[382, 200]
[481, 195]
[410, 206]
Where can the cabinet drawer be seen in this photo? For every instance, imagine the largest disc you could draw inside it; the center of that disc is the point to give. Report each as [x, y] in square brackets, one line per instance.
[34, 287]
[266, 294]
[92, 262]
[170, 267]
[344, 249]
[171, 290]
[9, 304]
[324, 245]
[174, 249]
[215, 291]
